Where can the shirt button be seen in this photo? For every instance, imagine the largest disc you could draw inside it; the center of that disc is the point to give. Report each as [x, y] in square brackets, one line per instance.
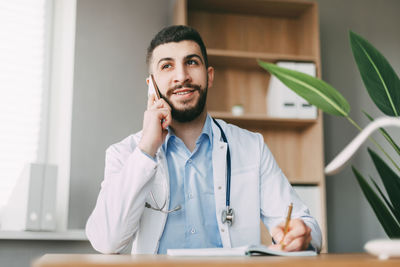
[219, 187]
[193, 230]
[189, 161]
[222, 230]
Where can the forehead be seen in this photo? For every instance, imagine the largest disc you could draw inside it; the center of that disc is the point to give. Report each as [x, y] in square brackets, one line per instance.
[175, 51]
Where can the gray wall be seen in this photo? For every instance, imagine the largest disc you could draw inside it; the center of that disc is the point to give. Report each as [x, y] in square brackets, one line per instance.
[110, 93]
[351, 221]
[110, 90]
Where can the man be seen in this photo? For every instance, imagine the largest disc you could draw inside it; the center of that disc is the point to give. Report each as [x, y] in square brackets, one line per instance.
[165, 187]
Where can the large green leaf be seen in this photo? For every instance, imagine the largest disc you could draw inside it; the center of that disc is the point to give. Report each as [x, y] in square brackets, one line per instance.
[395, 212]
[385, 134]
[384, 216]
[382, 83]
[315, 91]
[390, 179]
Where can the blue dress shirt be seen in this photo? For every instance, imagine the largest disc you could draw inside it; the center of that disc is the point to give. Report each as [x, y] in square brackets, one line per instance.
[192, 187]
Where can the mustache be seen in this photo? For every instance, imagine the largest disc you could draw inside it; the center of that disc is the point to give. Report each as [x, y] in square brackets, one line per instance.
[185, 85]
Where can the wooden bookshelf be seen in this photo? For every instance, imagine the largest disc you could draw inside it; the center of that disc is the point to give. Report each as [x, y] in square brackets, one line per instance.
[236, 34]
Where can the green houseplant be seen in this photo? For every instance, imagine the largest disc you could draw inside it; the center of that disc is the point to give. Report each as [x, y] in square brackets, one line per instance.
[383, 86]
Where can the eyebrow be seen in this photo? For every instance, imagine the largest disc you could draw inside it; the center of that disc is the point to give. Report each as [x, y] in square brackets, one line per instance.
[164, 59]
[194, 55]
[186, 57]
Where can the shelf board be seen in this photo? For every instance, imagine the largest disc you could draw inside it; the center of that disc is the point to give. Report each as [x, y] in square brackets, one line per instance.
[263, 121]
[71, 235]
[244, 59]
[287, 8]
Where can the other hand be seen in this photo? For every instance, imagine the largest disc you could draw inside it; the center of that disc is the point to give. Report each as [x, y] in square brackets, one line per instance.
[297, 238]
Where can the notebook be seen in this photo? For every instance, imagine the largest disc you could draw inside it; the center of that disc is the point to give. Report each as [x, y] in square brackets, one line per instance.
[252, 250]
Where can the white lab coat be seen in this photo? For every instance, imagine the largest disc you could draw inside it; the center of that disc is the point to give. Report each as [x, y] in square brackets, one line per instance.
[258, 187]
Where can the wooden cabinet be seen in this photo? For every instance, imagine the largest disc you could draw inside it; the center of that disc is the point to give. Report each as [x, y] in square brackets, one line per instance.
[236, 33]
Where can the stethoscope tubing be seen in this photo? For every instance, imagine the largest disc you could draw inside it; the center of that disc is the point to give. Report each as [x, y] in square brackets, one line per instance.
[228, 165]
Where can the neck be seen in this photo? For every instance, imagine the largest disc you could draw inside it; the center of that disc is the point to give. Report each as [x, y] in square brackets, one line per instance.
[188, 132]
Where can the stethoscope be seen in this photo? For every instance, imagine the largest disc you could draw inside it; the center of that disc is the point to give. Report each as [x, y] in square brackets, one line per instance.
[227, 215]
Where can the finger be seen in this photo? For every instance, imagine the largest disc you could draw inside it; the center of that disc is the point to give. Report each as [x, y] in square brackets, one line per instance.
[160, 103]
[277, 234]
[150, 100]
[295, 245]
[277, 229]
[164, 103]
[297, 228]
[167, 119]
[301, 243]
[157, 104]
[165, 115]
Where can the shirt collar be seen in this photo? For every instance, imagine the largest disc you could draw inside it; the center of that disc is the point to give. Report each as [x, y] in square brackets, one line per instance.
[206, 131]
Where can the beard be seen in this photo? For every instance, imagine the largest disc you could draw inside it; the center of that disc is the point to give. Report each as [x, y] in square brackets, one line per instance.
[188, 114]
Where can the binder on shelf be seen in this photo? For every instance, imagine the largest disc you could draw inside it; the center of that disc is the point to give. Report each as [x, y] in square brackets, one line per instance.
[31, 206]
[305, 109]
[283, 102]
[23, 209]
[49, 197]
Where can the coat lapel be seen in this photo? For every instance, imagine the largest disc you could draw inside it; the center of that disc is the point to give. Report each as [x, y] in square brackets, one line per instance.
[219, 173]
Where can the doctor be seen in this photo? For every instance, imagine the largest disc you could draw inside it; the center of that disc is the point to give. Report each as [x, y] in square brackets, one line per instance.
[167, 186]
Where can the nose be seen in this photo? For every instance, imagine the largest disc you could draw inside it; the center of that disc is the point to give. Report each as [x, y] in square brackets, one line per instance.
[182, 74]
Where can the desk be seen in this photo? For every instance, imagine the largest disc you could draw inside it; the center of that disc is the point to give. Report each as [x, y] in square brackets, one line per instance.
[323, 260]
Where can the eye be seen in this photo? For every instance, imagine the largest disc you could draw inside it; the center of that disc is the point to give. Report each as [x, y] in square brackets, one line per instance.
[192, 62]
[166, 66]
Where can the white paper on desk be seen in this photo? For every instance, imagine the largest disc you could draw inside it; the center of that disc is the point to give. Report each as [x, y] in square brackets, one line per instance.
[253, 250]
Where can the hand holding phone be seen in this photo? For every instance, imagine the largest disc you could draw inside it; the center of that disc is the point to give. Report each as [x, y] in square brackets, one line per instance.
[156, 119]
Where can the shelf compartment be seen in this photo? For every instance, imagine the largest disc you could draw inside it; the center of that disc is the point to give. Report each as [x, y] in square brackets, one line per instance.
[298, 152]
[256, 26]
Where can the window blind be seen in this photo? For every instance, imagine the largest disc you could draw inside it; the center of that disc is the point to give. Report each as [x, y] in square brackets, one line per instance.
[23, 45]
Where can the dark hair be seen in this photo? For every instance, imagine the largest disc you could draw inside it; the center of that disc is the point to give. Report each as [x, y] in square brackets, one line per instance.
[176, 33]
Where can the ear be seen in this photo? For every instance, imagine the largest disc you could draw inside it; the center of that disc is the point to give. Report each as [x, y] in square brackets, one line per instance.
[210, 74]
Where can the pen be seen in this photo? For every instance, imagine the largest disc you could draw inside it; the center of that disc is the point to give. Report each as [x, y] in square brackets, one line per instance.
[285, 230]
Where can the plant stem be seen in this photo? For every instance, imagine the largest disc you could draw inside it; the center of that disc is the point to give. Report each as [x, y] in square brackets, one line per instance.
[374, 142]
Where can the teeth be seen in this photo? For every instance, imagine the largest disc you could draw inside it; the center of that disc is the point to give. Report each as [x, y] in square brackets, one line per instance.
[183, 93]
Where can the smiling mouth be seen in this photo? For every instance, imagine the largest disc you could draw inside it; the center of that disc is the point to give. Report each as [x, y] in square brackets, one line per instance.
[183, 92]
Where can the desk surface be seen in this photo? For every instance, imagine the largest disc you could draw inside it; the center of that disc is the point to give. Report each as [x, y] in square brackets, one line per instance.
[86, 260]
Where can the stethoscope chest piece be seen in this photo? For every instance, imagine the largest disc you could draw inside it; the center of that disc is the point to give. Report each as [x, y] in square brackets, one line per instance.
[228, 216]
